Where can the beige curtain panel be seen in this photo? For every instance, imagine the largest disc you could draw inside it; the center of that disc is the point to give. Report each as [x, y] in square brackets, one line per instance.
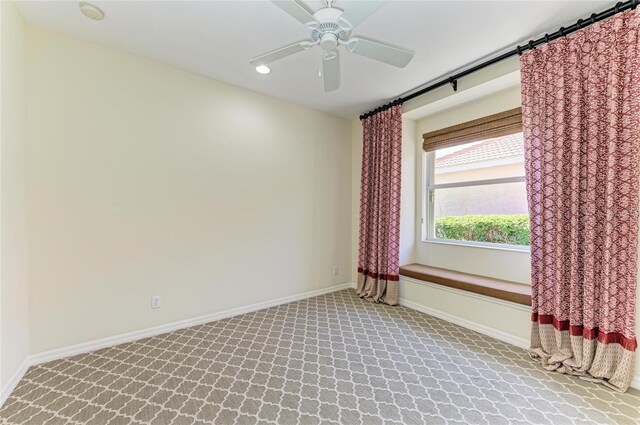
[501, 124]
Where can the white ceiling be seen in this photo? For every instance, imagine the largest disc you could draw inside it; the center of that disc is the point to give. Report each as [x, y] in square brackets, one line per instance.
[218, 38]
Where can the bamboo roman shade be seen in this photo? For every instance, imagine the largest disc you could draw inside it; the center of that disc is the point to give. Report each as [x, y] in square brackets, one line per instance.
[501, 124]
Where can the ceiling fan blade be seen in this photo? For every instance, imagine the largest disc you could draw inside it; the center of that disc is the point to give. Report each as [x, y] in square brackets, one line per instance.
[331, 71]
[357, 12]
[280, 53]
[380, 52]
[295, 9]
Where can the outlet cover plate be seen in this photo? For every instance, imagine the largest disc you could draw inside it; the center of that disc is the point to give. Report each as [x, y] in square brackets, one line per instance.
[155, 301]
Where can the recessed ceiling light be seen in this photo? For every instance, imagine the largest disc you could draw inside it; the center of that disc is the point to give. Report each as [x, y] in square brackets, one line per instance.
[91, 11]
[263, 69]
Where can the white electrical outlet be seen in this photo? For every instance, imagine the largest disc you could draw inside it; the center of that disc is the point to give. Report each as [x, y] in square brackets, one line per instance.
[335, 270]
[155, 301]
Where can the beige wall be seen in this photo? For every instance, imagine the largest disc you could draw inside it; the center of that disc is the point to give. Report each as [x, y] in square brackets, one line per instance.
[13, 226]
[409, 220]
[356, 167]
[147, 180]
[501, 319]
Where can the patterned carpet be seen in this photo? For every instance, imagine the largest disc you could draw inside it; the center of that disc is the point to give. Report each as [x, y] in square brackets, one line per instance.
[329, 359]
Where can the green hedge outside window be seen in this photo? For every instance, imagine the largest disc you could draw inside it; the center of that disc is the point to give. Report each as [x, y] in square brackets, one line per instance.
[510, 229]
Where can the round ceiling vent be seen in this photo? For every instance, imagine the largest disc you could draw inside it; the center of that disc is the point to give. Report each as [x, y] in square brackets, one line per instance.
[91, 11]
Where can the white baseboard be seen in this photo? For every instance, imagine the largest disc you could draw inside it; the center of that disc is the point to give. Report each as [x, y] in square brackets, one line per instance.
[13, 382]
[169, 327]
[97, 344]
[485, 330]
[73, 350]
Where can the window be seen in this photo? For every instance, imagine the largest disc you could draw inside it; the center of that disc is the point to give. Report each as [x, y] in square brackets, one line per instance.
[475, 190]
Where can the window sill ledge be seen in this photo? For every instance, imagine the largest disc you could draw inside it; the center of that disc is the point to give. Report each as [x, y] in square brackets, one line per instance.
[496, 288]
[510, 248]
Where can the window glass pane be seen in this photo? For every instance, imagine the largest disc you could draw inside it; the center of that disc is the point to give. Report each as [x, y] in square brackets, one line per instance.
[495, 213]
[487, 159]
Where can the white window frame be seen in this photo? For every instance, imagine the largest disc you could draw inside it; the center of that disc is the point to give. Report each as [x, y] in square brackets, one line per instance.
[428, 207]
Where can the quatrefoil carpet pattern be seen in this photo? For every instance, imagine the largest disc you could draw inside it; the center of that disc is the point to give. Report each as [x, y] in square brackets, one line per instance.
[333, 359]
[581, 117]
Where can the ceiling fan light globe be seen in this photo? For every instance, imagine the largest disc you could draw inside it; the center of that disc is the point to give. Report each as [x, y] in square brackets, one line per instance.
[328, 42]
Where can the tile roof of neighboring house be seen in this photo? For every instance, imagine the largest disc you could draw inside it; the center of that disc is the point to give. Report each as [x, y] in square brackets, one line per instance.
[488, 150]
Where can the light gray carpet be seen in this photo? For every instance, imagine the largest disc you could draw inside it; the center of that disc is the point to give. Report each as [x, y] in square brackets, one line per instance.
[329, 359]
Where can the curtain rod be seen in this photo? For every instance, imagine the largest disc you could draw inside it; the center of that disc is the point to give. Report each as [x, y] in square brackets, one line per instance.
[518, 50]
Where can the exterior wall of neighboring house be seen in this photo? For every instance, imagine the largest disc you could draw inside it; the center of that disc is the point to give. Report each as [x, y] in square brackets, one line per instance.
[507, 198]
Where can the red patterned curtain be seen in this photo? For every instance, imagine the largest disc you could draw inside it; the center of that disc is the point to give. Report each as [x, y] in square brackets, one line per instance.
[581, 116]
[379, 247]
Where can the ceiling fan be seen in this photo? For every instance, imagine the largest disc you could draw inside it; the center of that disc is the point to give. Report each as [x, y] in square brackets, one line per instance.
[331, 28]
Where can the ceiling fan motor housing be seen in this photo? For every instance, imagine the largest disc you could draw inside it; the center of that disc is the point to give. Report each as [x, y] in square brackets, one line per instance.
[327, 31]
[331, 28]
